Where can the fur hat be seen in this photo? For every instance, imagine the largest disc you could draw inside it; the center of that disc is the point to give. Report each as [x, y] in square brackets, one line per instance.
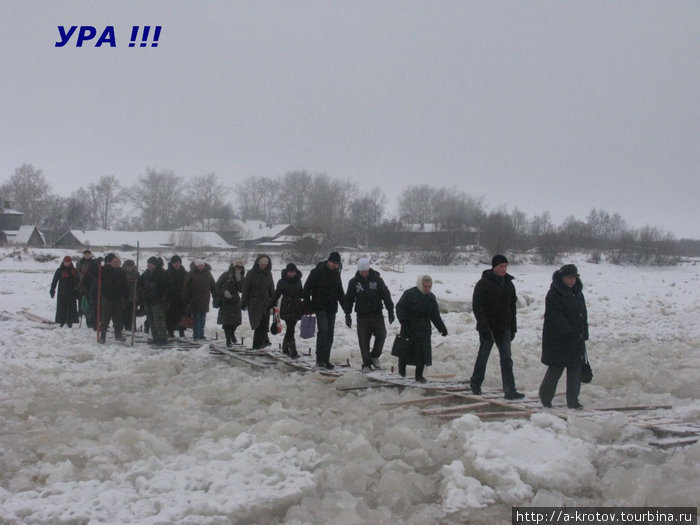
[363, 264]
[153, 260]
[68, 258]
[109, 257]
[291, 267]
[199, 262]
[498, 259]
[128, 263]
[568, 269]
[334, 257]
[175, 258]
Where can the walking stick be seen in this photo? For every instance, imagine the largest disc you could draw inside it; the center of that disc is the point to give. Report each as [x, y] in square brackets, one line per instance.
[133, 305]
[99, 300]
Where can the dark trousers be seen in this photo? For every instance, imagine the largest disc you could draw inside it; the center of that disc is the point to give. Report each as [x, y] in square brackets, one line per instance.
[230, 332]
[111, 311]
[260, 337]
[289, 333]
[368, 326]
[502, 340]
[549, 384]
[325, 325]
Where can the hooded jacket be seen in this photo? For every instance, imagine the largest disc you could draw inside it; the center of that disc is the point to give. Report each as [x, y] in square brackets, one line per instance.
[291, 291]
[258, 291]
[565, 328]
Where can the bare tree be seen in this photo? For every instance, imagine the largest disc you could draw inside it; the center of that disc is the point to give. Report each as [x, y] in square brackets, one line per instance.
[416, 204]
[257, 197]
[28, 192]
[294, 197]
[366, 214]
[157, 196]
[205, 196]
[104, 197]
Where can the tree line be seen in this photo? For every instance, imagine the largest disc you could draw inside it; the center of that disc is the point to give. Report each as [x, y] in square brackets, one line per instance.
[319, 203]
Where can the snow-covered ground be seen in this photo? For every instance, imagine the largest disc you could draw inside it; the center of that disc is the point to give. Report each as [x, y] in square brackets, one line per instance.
[113, 434]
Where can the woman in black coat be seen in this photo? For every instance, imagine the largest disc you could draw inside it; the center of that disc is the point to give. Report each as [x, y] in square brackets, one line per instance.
[416, 310]
[290, 289]
[258, 291]
[228, 286]
[67, 280]
[564, 336]
[176, 306]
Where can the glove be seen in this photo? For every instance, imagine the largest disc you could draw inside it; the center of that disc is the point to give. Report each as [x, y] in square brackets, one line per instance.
[244, 307]
[227, 294]
[443, 333]
[348, 320]
[52, 294]
[391, 316]
[485, 334]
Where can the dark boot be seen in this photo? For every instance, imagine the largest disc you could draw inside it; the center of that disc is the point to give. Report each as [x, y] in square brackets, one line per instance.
[293, 349]
[103, 335]
[285, 346]
[118, 335]
[402, 369]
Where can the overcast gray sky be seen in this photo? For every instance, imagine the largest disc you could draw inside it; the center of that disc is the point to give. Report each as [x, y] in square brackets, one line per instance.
[543, 105]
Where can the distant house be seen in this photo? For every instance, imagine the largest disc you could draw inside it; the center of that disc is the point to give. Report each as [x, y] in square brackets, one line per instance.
[26, 235]
[10, 220]
[427, 235]
[148, 239]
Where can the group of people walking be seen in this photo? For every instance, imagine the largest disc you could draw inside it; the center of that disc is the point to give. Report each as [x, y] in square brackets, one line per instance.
[177, 299]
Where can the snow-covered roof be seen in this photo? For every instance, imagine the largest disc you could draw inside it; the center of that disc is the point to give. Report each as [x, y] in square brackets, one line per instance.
[8, 211]
[150, 239]
[23, 235]
[431, 227]
[251, 230]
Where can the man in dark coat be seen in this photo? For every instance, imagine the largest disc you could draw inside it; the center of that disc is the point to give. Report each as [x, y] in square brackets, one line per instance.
[290, 289]
[258, 293]
[229, 287]
[323, 290]
[176, 308]
[416, 310]
[114, 296]
[198, 290]
[132, 277]
[154, 286]
[564, 335]
[67, 279]
[369, 294]
[494, 306]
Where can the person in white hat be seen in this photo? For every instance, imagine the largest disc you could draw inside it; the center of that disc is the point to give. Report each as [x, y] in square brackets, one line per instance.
[370, 295]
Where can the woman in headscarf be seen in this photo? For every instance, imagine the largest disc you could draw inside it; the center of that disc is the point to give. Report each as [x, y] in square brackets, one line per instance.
[228, 286]
[258, 292]
[67, 280]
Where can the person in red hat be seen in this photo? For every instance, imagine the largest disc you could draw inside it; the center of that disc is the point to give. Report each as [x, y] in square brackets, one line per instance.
[66, 279]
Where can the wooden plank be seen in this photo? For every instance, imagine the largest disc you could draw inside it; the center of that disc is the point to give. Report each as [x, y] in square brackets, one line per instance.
[429, 399]
[632, 408]
[674, 442]
[489, 415]
[456, 408]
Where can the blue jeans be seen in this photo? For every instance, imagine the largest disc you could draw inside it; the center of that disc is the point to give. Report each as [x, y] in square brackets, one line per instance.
[502, 340]
[325, 326]
[199, 319]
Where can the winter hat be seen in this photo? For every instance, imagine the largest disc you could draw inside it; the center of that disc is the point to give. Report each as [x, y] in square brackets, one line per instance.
[128, 263]
[498, 259]
[175, 258]
[334, 257]
[68, 258]
[568, 269]
[199, 262]
[238, 262]
[363, 264]
[291, 267]
[153, 260]
[87, 252]
[109, 257]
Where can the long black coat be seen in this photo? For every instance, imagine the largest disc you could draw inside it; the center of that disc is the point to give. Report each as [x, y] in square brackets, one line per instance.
[258, 291]
[115, 286]
[368, 294]
[416, 311]
[153, 286]
[230, 281]
[176, 306]
[494, 304]
[67, 280]
[565, 329]
[292, 293]
[323, 290]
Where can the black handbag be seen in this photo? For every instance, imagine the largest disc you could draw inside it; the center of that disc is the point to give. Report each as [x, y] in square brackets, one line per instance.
[401, 347]
[586, 372]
